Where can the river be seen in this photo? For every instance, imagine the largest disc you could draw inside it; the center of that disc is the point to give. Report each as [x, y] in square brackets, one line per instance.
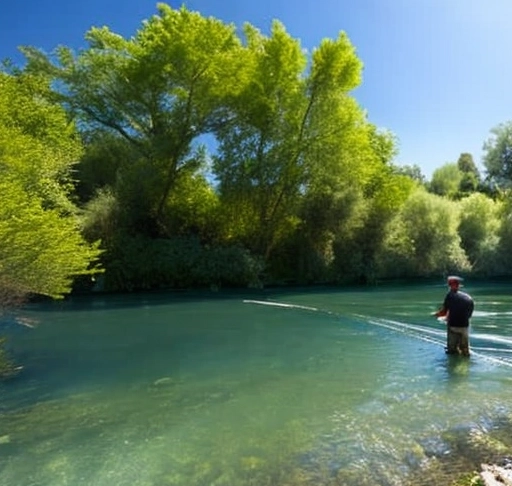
[295, 387]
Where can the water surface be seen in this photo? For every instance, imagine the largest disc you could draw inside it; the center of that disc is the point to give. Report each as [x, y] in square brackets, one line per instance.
[275, 388]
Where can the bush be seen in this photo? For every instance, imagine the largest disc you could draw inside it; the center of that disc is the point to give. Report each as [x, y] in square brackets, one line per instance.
[141, 263]
[423, 239]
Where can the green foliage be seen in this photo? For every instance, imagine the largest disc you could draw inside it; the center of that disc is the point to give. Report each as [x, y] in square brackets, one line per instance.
[41, 248]
[302, 179]
[423, 239]
[412, 171]
[356, 251]
[138, 263]
[498, 155]
[41, 251]
[467, 164]
[354, 248]
[105, 156]
[310, 255]
[37, 142]
[504, 251]
[335, 66]
[446, 181]
[282, 132]
[478, 229]
[101, 217]
[295, 135]
[257, 157]
[193, 208]
[469, 183]
[388, 191]
[471, 180]
[158, 90]
[384, 194]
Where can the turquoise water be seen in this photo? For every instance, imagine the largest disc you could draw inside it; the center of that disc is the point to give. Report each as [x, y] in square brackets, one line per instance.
[267, 389]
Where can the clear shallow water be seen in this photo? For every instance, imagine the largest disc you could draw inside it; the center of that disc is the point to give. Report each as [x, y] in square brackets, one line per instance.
[276, 388]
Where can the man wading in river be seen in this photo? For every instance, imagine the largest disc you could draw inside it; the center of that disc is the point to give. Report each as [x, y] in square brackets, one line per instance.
[458, 309]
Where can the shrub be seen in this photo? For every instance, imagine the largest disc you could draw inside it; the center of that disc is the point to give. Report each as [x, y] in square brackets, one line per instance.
[141, 263]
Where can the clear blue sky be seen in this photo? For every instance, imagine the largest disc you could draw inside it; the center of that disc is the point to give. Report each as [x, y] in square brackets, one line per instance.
[437, 72]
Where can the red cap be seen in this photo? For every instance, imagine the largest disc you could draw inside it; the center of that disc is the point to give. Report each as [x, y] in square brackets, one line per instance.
[454, 281]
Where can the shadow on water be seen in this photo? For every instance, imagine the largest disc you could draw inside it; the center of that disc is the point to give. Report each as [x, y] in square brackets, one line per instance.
[104, 301]
[457, 368]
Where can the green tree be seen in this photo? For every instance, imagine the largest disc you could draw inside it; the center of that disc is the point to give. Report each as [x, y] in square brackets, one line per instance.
[387, 199]
[194, 209]
[446, 181]
[465, 163]
[41, 146]
[413, 171]
[504, 250]
[295, 133]
[41, 251]
[41, 248]
[470, 180]
[105, 157]
[160, 91]
[423, 239]
[383, 195]
[498, 155]
[290, 138]
[478, 228]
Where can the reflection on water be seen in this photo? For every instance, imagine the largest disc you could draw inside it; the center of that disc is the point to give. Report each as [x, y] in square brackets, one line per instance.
[457, 367]
[298, 388]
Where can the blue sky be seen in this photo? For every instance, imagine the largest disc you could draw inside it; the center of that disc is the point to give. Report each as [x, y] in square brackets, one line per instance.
[437, 72]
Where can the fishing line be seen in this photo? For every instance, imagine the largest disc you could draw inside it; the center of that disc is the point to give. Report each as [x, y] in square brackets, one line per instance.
[403, 327]
[407, 326]
[492, 338]
[492, 350]
[280, 304]
[411, 330]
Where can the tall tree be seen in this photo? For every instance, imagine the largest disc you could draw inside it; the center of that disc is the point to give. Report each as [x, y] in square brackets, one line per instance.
[498, 155]
[478, 228]
[159, 90]
[446, 180]
[384, 194]
[413, 171]
[292, 132]
[470, 180]
[504, 256]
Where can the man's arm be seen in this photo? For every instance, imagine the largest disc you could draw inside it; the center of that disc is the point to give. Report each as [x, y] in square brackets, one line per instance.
[443, 311]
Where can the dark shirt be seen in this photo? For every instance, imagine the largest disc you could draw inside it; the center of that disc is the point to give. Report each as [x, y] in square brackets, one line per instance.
[460, 308]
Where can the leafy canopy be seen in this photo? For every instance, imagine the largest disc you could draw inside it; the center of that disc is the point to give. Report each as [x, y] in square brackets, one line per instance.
[160, 90]
[498, 155]
[41, 249]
